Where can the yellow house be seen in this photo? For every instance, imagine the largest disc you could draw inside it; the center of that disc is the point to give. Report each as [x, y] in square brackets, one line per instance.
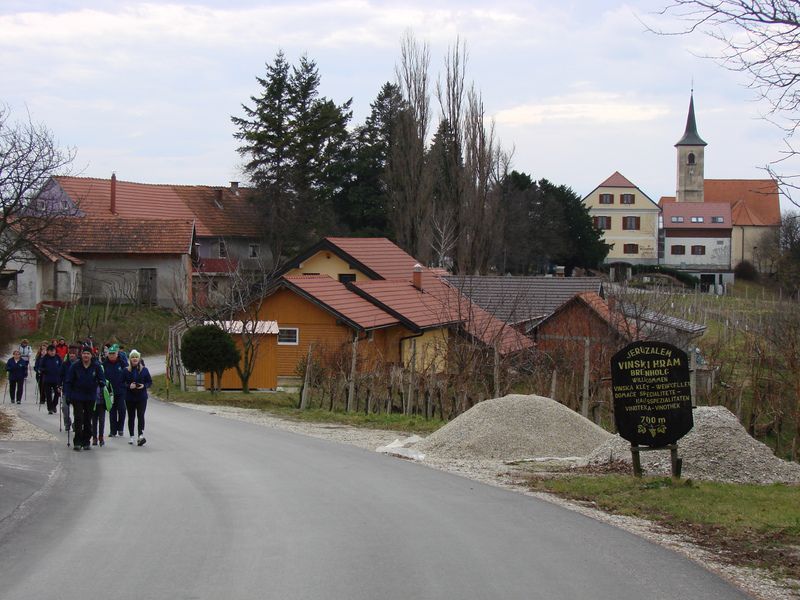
[628, 218]
[370, 289]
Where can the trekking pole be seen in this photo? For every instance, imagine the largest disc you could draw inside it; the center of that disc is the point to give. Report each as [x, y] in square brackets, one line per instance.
[5, 391]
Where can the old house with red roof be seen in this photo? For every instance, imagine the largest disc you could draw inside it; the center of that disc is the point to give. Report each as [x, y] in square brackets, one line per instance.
[153, 243]
[368, 289]
[697, 235]
[754, 203]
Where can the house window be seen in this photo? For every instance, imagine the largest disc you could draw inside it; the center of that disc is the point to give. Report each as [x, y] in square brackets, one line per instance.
[631, 223]
[678, 249]
[690, 158]
[677, 219]
[346, 277]
[698, 250]
[626, 199]
[697, 219]
[254, 248]
[8, 282]
[223, 249]
[289, 336]
[717, 220]
[606, 198]
[631, 248]
[602, 222]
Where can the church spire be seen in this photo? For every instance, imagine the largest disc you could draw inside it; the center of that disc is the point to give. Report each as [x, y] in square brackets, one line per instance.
[690, 136]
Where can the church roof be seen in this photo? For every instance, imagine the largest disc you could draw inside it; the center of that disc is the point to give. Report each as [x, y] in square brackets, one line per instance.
[753, 202]
[690, 136]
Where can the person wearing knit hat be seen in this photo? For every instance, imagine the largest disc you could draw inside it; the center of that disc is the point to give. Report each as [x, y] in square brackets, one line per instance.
[115, 368]
[137, 380]
[83, 380]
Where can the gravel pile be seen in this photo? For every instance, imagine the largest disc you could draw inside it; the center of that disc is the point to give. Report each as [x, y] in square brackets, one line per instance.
[514, 427]
[717, 448]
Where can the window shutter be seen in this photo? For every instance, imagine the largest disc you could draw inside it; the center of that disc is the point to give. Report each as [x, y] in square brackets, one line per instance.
[595, 220]
[638, 223]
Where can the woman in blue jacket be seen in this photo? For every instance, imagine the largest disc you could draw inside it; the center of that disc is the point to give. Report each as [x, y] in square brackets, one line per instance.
[137, 380]
[115, 369]
[17, 372]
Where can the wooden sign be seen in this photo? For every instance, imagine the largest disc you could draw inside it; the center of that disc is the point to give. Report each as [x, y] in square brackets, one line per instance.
[652, 393]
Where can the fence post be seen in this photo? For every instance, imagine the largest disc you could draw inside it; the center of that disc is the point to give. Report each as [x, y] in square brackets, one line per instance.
[585, 395]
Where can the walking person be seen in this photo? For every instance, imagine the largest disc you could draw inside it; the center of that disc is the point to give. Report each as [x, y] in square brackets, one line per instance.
[114, 369]
[72, 358]
[37, 359]
[99, 417]
[49, 370]
[17, 372]
[25, 352]
[62, 349]
[81, 385]
[137, 380]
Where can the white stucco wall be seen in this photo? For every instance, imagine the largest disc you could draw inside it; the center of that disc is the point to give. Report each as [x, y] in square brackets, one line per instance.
[118, 277]
[717, 256]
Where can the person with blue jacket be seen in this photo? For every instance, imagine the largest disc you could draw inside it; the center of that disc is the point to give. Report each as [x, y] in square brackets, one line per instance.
[81, 386]
[71, 359]
[17, 372]
[114, 368]
[49, 369]
[137, 380]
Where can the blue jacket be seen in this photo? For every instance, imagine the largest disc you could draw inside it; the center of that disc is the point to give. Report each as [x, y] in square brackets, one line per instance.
[115, 373]
[17, 370]
[65, 369]
[138, 375]
[49, 367]
[82, 382]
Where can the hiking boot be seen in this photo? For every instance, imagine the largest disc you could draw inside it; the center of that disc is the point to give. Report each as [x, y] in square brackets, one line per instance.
[87, 447]
[94, 441]
[132, 440]
[76, 448]
[141, 441]
[112, 434]
[102, 441]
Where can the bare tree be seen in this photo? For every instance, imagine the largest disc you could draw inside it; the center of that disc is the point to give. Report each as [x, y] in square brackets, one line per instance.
[29, 157]
[408, 178]
[762, 40]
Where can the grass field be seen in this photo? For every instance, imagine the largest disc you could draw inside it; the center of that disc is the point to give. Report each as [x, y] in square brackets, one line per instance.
[755, 525]
[284, 405]
[143, 328]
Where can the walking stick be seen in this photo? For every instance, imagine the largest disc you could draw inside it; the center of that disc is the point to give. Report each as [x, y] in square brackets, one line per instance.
[5, 391]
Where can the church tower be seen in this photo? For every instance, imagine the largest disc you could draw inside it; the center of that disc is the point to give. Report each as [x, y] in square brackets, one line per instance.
[691, 160]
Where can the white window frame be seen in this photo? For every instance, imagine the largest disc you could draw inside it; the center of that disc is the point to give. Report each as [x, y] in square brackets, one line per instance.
[624, 199]
[698, 220]
[677, 219]
[717, 219]
[296, 336]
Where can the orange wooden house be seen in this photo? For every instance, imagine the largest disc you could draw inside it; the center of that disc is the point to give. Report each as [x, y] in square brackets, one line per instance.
[369, 288]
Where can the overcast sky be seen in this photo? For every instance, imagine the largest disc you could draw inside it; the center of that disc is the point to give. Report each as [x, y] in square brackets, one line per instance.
[578, 90]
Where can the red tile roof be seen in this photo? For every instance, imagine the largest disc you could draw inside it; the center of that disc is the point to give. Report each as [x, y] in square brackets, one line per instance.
[128, 236]
[687, 210]
[380, 255]
[334, 296]
[216, 211]
[617, 180]
[753, 201]
[599, 307]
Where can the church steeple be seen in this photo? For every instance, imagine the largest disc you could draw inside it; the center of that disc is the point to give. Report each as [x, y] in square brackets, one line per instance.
[690, 136]
[691, 161]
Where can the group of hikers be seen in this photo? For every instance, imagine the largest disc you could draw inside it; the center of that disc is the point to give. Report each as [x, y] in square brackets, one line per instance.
[92, 381]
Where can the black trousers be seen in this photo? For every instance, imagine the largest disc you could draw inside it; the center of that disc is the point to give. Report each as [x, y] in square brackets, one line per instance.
[116, 417]
[51, 396]
[136, 409]
[99, 420]
[15, 389]
[82, 410]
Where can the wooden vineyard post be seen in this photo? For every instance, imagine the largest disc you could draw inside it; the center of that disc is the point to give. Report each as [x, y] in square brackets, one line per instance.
[586, 365]
[306, 380]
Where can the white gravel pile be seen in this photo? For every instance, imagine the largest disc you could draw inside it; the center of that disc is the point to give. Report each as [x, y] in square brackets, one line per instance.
[717, 448]
[514, 427]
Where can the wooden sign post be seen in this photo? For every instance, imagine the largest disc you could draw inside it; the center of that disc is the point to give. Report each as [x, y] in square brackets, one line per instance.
[652, 399]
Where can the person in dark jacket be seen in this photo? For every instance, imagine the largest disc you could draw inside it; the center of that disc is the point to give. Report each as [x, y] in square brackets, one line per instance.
[72, 358]
[114, 369]
[81, 385]
[137, 380]
[17, 372]
[37, 359]
[49, 369]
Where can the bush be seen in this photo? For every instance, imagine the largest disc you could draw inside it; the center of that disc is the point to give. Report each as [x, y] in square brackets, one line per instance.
[208, 349]
[746, 271]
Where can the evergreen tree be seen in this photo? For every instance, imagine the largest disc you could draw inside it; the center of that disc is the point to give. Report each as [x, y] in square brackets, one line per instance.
[296, 146]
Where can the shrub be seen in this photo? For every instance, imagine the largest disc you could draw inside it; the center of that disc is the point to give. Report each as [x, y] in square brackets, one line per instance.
[746, 271]
[208, 349]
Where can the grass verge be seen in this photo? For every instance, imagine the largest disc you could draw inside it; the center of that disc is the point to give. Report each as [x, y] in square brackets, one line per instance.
[750, 525]
[283, 404]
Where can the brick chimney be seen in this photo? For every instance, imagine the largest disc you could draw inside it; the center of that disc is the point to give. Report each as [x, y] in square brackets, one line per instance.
[416, 277]
[235, 187]
[113, 193]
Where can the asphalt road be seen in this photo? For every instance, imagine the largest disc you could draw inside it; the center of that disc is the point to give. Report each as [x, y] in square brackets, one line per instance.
[221, 510]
